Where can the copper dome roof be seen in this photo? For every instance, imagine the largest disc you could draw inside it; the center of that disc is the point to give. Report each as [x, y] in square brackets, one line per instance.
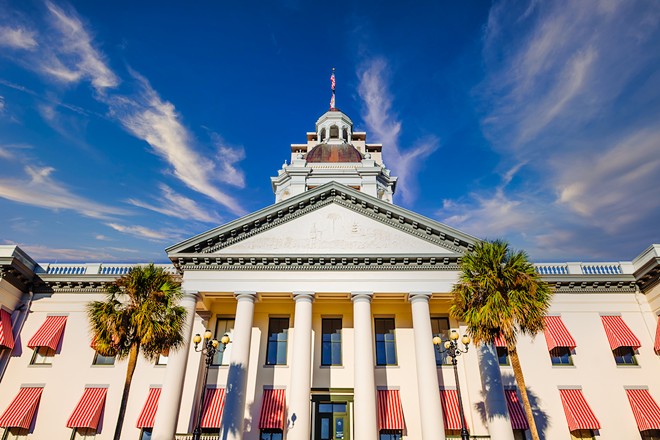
[334, 153]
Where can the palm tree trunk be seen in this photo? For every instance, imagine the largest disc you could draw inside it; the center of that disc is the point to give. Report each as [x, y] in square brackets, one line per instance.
[520, 380]
[132, 361]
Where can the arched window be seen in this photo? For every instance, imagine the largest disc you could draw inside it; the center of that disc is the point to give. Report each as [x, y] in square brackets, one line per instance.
[344, 134]
[322, 135]
[334, 132]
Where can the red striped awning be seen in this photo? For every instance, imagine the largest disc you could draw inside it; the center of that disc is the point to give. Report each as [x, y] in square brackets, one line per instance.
[645, 409]
[390, 411]
[272, 409]
[148, 414]
[214, 403]
[578, 412]
[49, 334]
[88, 411]
[618, 333]
[516, 412]
[6, 336]
[21, 410]
[556, 333]
[499, 341]
[656, 346]
[450, 409]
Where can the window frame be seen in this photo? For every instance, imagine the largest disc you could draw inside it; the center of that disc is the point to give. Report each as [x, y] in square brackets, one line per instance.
[269, 433]
[556, 358]
[503, 352]
[144, 431]
[77, 435]
[222, 351]
[8, 430]
[45, 359]
[620, 359]
[441, 358]
[281, 341]
[332, 362]
[381, 346]
[390, 434]
[98, 356]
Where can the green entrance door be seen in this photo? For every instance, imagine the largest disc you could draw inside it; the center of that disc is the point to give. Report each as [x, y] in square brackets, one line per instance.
[332, 421]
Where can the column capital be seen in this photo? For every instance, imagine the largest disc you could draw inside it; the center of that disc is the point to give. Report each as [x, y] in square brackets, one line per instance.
[361, 296]
[303, 296]
[245, 295]
[419, 296]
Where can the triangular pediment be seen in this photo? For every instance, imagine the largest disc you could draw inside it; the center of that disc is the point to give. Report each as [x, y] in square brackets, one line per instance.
[331, 220]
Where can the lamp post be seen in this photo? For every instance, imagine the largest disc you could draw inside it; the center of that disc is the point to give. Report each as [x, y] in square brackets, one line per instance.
[451, 348]
[209, 348]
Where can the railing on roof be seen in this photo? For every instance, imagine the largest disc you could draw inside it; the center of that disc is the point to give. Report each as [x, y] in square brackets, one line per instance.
[579, 268]
[95, 268]
[203, 436]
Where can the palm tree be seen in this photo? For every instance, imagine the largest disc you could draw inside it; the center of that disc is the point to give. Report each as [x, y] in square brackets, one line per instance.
[500, 293]
[140, 314]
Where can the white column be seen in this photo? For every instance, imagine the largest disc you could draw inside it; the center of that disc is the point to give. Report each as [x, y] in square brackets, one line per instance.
[301, 368]
[428, 389]
[170, 399]
[234, 411]
[365, 423]
[497, 413]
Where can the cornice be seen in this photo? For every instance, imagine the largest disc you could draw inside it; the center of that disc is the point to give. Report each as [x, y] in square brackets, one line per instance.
[591, 283]
[197, 262]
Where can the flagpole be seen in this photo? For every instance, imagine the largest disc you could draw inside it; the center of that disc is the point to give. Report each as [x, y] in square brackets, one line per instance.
[332, 86]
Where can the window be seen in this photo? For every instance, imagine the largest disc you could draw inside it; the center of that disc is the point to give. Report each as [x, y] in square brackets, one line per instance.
[331, 341]
[145, 434]
[440, 327]
[390, 434]
[322, 135]
[452, 433]
[344, 134]
[583, 434]
[15, 434]
[278, 329]
[624, 356]
[99, 359]
[651, 434]
[334, 132]
[83, 434]
[271, 434]
[561, 356]
[42, 356]
[502, 355]
[385, 341]
[519, 434]
[224, 326]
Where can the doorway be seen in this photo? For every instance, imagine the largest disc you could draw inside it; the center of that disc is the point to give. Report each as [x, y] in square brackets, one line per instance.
[332, 416]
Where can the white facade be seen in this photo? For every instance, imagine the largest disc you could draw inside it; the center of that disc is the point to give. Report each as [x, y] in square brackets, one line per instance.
[333, 246]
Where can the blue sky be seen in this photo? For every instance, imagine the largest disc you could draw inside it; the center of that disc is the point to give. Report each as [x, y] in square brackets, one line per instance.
[127, 126]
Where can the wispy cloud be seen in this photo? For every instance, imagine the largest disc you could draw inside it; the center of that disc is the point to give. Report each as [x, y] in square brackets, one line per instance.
[147, 116]
[569, 90]
[40, 188]
[146, 233]
[384, 124]
[17, 38]
[74, 56]
[176, 205]
[59, 254]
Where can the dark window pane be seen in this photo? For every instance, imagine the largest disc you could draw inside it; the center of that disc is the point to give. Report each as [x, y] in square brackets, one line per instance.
[440, 327]
[385, 341]
[325, 407]
[331, 341]
[624, 356]
[502, 355]
[561, 356]
[277, 341]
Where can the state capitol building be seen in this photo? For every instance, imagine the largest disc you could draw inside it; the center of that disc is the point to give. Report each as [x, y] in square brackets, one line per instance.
[331, 297]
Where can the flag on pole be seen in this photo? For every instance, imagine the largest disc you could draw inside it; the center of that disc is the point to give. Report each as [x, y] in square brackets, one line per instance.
[332, 86]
